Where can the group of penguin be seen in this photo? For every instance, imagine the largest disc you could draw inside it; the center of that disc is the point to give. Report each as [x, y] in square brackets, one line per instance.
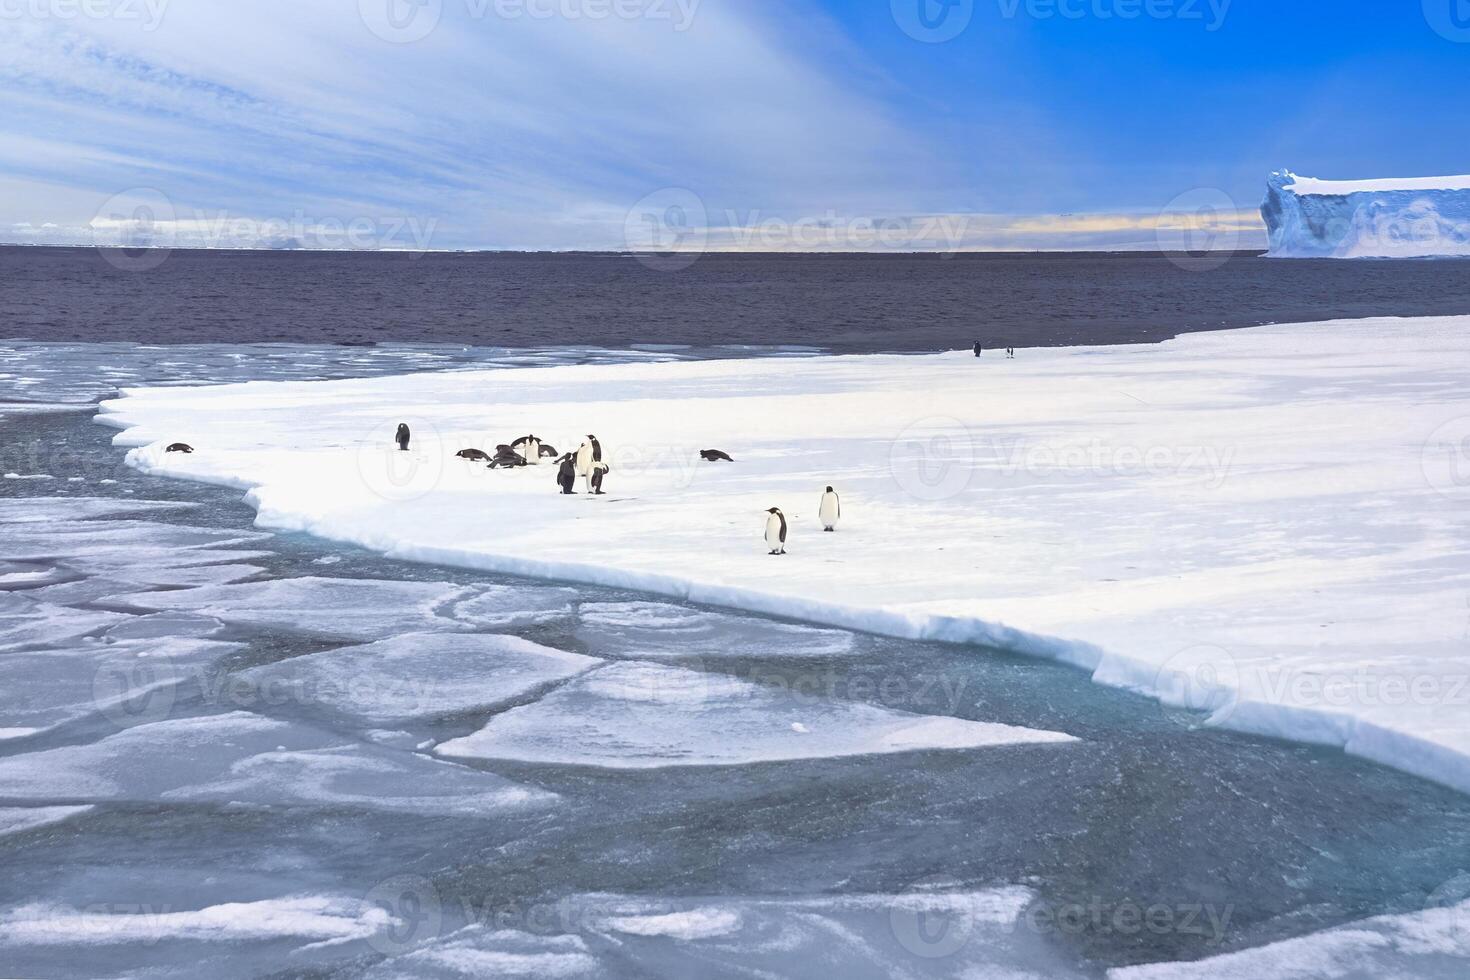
[828, 512]
[529, 450]
[587, 463]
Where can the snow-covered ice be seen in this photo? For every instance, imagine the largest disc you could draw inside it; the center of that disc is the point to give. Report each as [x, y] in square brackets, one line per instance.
[245, 758]
[1433, 944]
[416, 676]
[1417, 217]
[635, 715]
[1266, 522]
[660, 630]
[27, 622]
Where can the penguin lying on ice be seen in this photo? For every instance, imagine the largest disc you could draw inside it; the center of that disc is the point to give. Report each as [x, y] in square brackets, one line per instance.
[715, 456]
[506, 457]
[473, 455]
[776, 531]
[180, 447]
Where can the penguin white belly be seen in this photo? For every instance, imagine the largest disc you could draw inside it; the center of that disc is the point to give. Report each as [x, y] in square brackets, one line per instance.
[829, 511]
[531, 453]
[584, 460]
[773, 533]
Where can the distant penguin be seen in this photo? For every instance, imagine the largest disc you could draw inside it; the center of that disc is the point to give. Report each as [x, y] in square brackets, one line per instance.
[599, 470]
[180, 447]
[588, 453]
[566, 473]
[529, 448]
[829, 510]
[1010, 352]
[776, 531]
[977, 348]
[402, 437]
[473, 455]
[715, 456]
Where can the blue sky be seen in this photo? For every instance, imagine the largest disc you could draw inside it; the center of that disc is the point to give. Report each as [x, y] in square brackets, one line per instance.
[709, 123]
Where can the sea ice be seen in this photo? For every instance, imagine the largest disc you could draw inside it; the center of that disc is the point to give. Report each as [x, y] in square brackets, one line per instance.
[1432, 944]
[659, 630]
[354, 609]
[19, 819]
[24, 622]
[416, 676]
[240, 757]
[959, 935]
[128, 682]
[634, 715]
[1208, 520]
[47, 510]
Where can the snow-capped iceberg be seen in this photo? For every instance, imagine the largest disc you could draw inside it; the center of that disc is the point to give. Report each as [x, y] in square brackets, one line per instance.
[1419, 217]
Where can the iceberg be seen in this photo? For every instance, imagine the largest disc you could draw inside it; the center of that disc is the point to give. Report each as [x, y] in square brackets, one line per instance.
[1420, 217]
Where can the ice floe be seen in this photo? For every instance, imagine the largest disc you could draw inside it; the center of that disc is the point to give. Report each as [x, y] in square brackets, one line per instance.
[1119, 508]
[1432, 944]
[25, 621]
[245, 758]
[127, 682]
[636, 715]
[415, 676]
[659, 630]
[863, 937]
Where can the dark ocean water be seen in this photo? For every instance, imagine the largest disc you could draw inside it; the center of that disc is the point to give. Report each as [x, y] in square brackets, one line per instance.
[839, 302]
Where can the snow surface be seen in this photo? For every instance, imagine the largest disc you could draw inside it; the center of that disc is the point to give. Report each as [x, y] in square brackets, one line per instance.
[635, 715]
[1264, 524]
[19, 819]
[1419, 217]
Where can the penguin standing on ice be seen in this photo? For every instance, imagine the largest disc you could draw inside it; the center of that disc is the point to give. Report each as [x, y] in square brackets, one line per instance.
[401, 437]
[978, 349]
[588, 455]
[776, 531]
[599, 470]
[830, 510]
[529, 448]
[566, 473]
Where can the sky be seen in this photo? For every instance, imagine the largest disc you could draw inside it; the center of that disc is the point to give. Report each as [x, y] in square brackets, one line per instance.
[709, 124]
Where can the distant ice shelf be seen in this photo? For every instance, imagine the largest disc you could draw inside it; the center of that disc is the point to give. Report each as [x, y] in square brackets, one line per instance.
[1418, 217]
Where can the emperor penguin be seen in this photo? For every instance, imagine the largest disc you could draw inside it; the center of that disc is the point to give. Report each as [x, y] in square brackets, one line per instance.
[776, 531]
[529, 448]
[566, 473]
[401, 437]
[830, 510]
[588, 455]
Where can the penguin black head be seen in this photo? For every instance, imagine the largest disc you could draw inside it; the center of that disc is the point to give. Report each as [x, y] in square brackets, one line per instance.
[774, 510]
[830, 490]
